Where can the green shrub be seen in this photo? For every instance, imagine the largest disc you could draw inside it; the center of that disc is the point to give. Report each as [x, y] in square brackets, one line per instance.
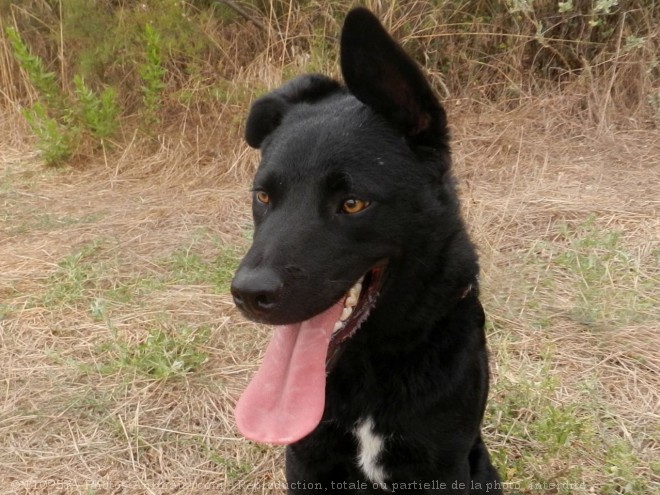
[152, 73]
[98, 112]
[59, 120]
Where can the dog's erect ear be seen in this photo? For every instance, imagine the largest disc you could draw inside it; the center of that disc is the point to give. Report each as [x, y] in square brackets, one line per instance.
[382, 76]
[267, 112]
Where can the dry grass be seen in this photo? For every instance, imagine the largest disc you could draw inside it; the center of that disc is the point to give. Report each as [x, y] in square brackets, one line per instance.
[78, 419]
[575, 343]
[123, 355]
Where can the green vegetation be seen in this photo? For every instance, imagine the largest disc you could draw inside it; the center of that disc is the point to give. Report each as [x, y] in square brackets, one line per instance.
[188, 266]
[48, 117]
[59, 120]
[42, 80]
[93, 277]
[547, 437]
[98, 113]
[152, 73]
[591, 280]
[76, 275]
[97, 70]
[161, 354]
[607, 282]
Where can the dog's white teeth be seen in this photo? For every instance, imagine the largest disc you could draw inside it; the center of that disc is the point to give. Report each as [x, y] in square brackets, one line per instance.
[345, 314]
[354, 293]
[350, 302]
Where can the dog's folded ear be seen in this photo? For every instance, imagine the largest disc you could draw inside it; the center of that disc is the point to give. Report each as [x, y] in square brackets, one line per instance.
[267, 112]
[382, 76]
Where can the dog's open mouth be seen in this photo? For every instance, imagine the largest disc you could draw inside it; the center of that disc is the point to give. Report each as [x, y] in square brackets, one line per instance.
[286, 398]
[357, 304]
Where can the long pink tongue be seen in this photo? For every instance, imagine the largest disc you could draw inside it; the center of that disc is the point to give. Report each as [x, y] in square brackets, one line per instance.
[285, 399]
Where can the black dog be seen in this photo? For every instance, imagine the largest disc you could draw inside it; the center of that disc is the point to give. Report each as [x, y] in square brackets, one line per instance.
[377, 378]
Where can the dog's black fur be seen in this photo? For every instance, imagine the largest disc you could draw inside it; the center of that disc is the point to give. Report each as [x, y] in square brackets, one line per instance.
[418, 365]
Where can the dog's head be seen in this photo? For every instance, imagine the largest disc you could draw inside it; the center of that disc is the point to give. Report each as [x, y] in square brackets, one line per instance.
[341, 173]
[348, 175]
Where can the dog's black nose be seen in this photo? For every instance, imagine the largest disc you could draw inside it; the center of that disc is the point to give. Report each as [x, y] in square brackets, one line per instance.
[256, 291]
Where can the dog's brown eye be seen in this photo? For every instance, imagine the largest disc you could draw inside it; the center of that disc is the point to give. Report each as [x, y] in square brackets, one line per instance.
[262, 197]
[353, 205]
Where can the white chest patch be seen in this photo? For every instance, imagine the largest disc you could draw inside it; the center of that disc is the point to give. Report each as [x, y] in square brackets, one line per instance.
[370, 446]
